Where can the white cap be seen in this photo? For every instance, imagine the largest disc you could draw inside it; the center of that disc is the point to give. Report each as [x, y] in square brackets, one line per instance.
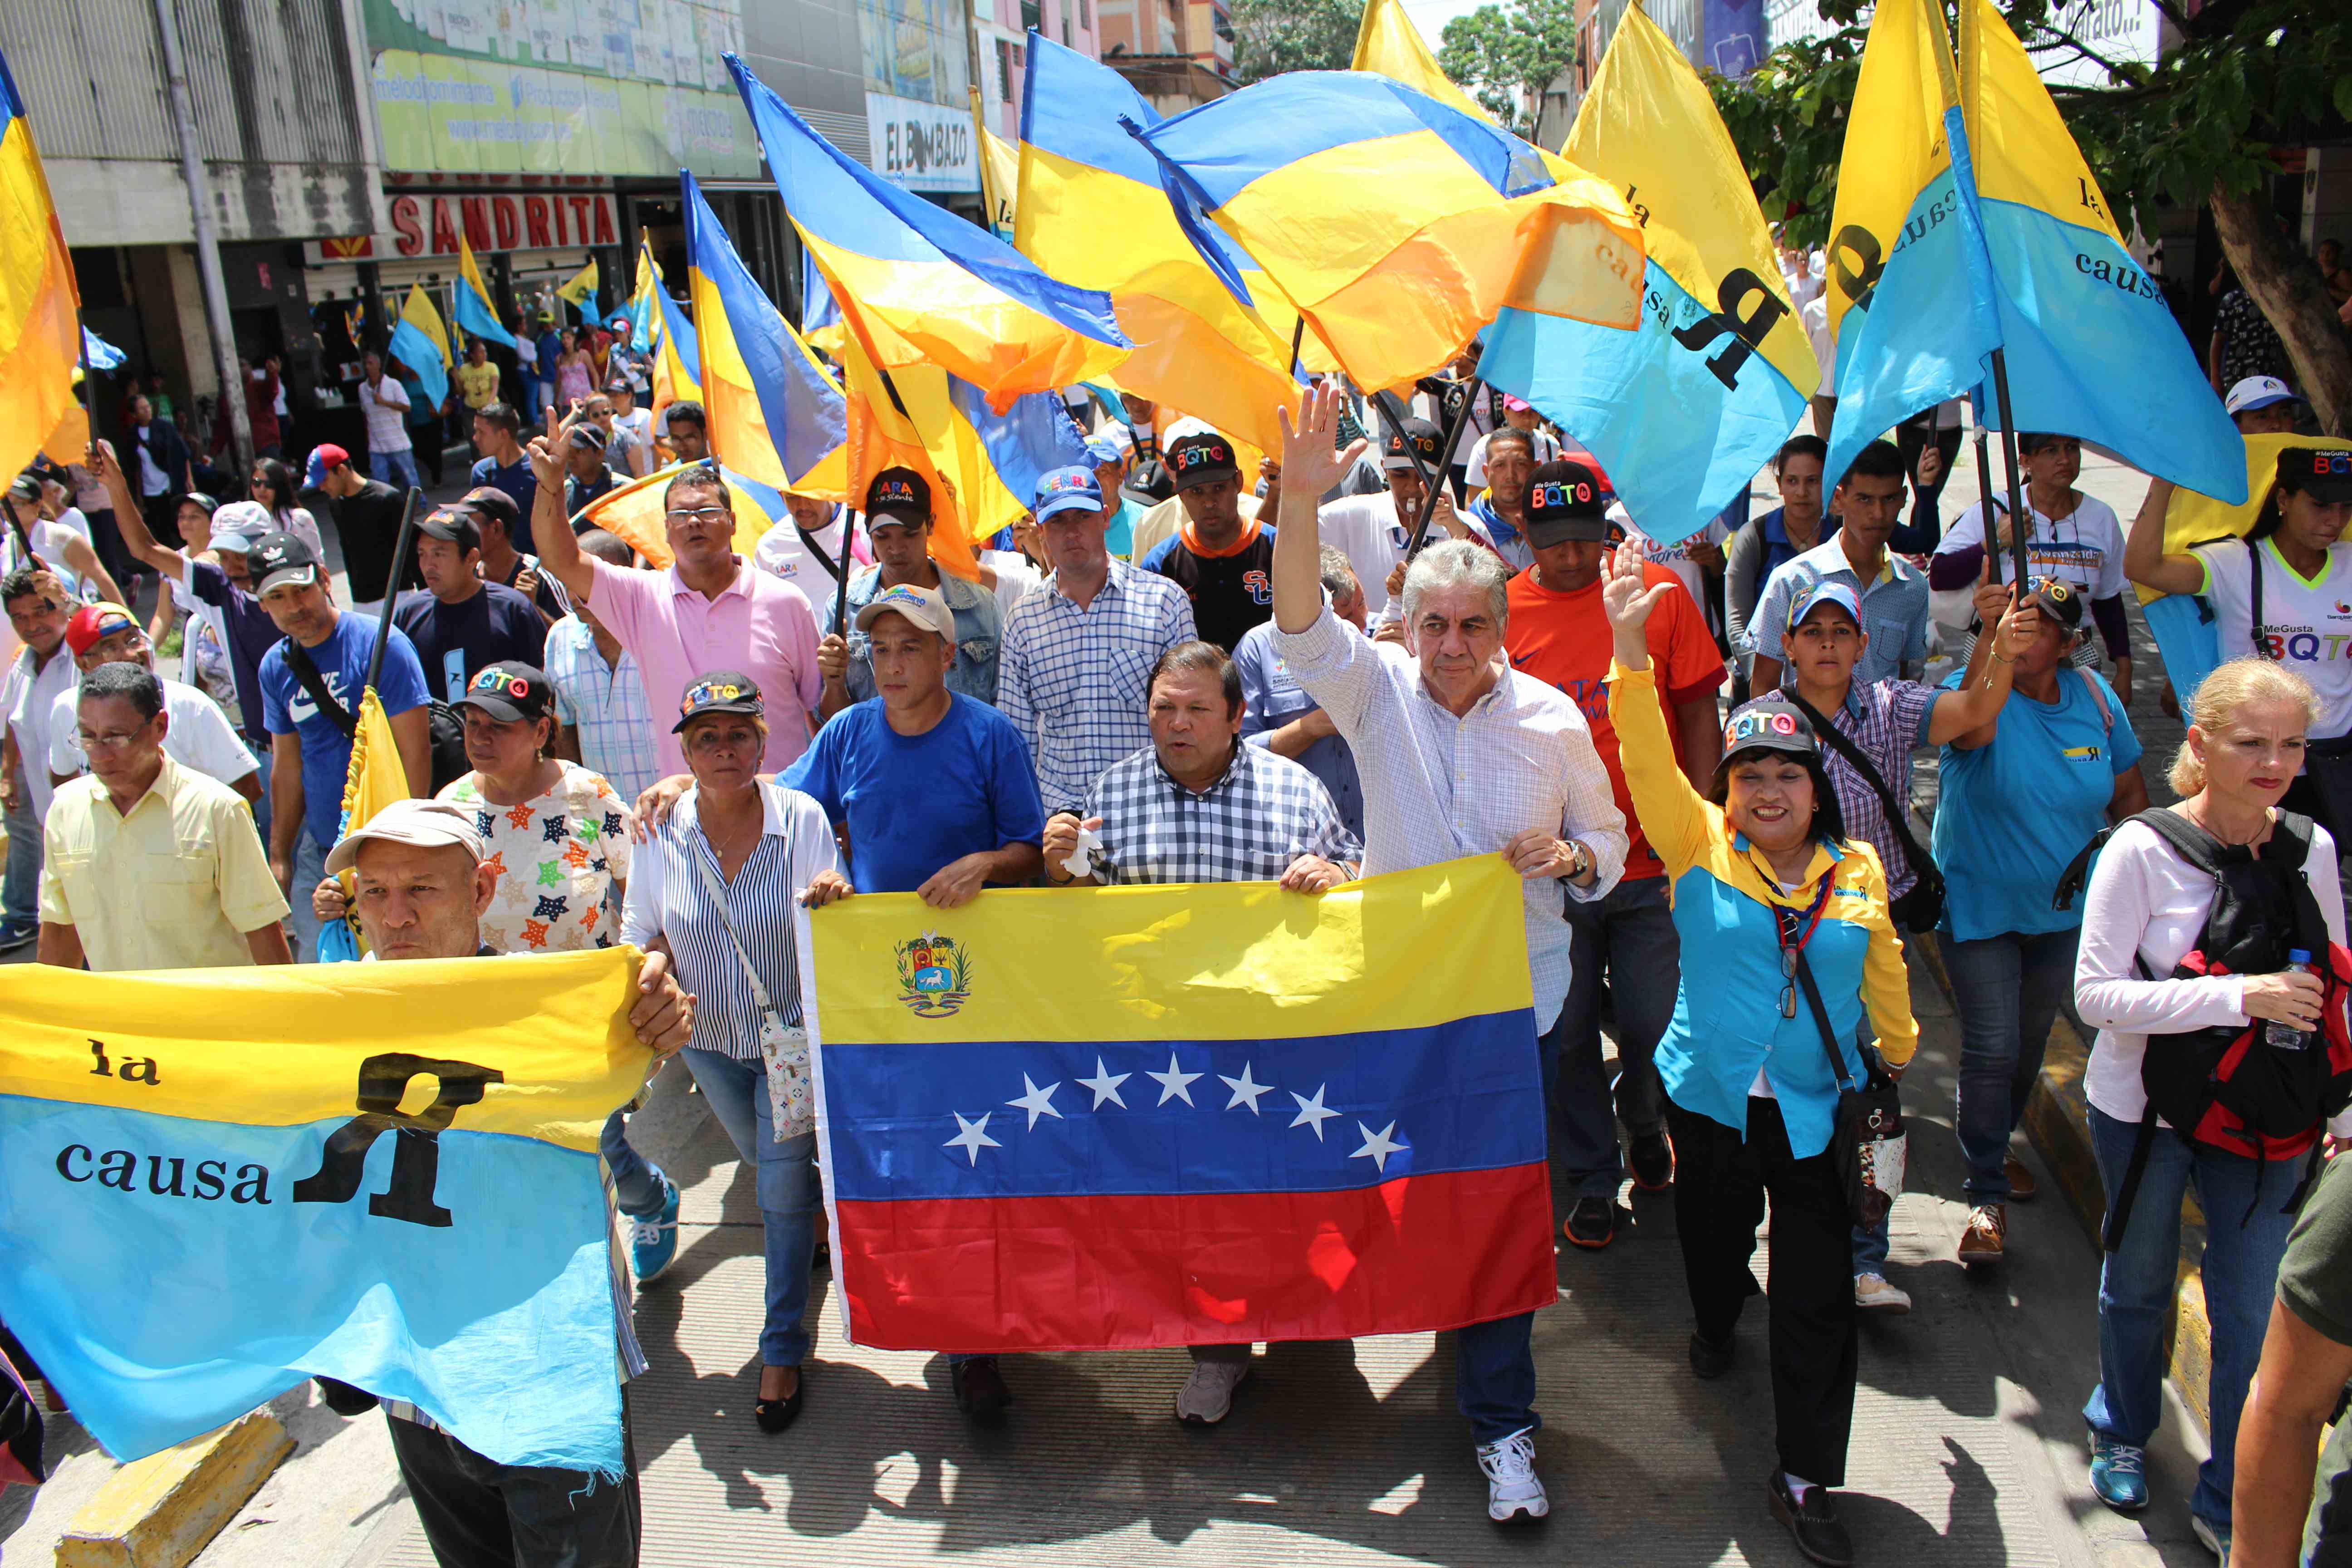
[924, 607]
[429, 822]
[2254, 392]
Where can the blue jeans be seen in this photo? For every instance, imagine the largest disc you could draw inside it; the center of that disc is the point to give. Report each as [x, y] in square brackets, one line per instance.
[1631, 934]
[1494, 1376]
[310, 871]
[639, 1188]
[397, 470]
[2135, 1287]
[738, 1093]
[21, 893]
[2009, 989]
[262, 758]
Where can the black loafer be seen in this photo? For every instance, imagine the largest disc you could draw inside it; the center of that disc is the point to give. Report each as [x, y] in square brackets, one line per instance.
[774, 1414]
[979, 1388]
[1710, 1359]
[1815, 1525]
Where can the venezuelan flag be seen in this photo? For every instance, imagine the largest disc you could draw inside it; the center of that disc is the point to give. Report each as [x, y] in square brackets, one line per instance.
[187, 1238]
[774, 414]
[374, 781]
[422, 343]
[472, 305]
[921, 284]
[633, 511]
[40, 305]
[1911, 287]
[2092, 349]
[1091, 211]
[1398, 225]
[1237, 1114]
[1684, 411]
[1389, 45]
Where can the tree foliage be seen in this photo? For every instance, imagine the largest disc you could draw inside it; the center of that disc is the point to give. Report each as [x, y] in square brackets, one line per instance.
[1271, 37]
[1505, 54]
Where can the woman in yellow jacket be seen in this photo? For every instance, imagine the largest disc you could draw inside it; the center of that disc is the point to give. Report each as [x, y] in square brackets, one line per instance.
[1762, 874]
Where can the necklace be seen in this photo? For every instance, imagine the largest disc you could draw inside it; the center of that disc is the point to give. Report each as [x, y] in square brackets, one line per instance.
[722, 847]
[2202, 817]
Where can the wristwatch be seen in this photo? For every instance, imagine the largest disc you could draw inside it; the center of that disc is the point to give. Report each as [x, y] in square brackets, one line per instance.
[1580, 864]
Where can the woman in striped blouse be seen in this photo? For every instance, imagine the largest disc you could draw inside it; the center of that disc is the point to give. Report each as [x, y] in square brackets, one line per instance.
[716, 886]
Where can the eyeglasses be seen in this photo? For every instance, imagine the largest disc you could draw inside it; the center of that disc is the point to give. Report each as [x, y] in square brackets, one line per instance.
[107, 740]
[1788, 990]
[699, 514]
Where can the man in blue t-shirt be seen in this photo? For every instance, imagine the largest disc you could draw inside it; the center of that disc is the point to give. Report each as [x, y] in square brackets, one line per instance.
[497, 435]
[460, 623]
[311, 742]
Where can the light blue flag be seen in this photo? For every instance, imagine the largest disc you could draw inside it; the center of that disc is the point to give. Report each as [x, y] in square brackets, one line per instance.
[415, 348]
[472, 309]
[818, 309]
[98, 353]
[1025, 442]
[1929, 327]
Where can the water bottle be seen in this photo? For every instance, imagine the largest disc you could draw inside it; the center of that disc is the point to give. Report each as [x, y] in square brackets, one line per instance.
[2287, 1036]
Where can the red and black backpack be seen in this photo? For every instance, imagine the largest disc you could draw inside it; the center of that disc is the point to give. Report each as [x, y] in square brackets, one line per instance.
[2229, 1087]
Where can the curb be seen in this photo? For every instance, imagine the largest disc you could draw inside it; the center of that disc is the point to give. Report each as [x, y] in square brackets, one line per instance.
[161, 1511]
[2057, 1122]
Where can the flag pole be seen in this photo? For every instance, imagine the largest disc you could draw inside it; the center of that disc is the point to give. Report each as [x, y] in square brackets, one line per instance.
[1444, 465]
[1297, 335]
[392, 588]
[1985, 503]
[1392, 416]
[2018, 522]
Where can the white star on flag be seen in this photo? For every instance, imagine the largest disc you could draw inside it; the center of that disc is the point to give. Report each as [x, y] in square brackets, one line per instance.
[1036, 1101]
[971, 1136]
[1175, 1083]
[1104, 1083]
[1312, 1113]
[1244, 1091]
[1378, 1146]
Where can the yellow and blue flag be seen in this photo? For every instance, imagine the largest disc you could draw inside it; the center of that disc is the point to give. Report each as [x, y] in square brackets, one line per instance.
[634, 511]
[2091, 348]
[472, 306]
[375, 780]
[774, 413]
[820, 317]
[1684, 411]
[422, 343]
[205, 1209]
[40, 305]
[1000, 170]
[1236, 1113]
[676, 355]
[1092, 212]
[1389, 45]
[921, 284]
[580, 290]
[1398, 225]
[640, 307]
[1911, 296]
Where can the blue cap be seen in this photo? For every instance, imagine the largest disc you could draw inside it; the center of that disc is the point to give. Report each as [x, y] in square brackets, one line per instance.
[1100, 451]
[1824, 592]
[1068, 489]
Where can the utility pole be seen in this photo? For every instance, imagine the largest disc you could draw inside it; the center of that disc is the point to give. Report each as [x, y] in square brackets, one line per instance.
[208, 233]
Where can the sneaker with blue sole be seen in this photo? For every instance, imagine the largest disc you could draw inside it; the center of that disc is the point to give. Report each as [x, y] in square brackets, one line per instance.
[2118, 1474]
[2213, 1538]
[652, 1239]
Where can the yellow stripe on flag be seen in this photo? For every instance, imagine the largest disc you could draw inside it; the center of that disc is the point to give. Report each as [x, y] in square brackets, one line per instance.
[1388, 44]
[40, 324]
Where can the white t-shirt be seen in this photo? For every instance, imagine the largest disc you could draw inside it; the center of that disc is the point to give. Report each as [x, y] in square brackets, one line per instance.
[1015, 575]
[386, 409]
[72, 518]
[2085, 547]
[2307, 625]
[1546, 446]
[200, 736]
[1371, 533]
[781, 551]
[29, 698]
[637, 425]
[1676, 558]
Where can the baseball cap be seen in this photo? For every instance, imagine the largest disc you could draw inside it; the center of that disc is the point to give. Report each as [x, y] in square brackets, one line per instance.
[2323, 474]
[1824, 592]
[323, 458]
[900, 495]
[280, 560]
[1102, 450]
[488, 500]
[2259, 392]
[620, 383]
[1068, 489]
[92, 624]
[238, 526]
[1117, 438]
[587, 436]
[2057, 597]
[927, 608]
[452, 524]
[1408, 437]
[1770, 724]
[508, 691]
[1203, 458]
[1516, 405]
[426, 823]
[25, 486]
[1565, 502]
[721, 692]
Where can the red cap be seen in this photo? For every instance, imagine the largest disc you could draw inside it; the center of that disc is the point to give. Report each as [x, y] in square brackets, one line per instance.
[331, 456]
[93, 621]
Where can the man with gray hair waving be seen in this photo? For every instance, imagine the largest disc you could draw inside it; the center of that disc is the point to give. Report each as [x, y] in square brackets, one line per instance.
[1459, 754]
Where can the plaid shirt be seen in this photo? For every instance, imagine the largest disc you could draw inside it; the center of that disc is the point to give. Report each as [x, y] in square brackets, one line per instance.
[1248, 827]
[1072, 680]
[607, 703]
[1884, 720]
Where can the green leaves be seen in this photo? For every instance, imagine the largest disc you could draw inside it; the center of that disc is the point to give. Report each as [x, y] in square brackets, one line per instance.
[1271, 37]
[1506, 54]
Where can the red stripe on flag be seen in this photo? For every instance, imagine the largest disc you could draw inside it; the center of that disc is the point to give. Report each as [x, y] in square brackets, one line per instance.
[1103, 1272]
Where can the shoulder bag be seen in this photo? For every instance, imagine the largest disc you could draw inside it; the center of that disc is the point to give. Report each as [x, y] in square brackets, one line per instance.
[791, 1100]
[445, 732]
[1867, 1142]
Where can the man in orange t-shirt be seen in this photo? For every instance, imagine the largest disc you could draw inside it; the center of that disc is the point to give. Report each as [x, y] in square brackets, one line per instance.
[1557, 632]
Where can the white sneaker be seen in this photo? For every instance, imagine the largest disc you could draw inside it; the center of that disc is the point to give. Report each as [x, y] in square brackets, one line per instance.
[1873, 1293]
[1513, 1492]
[1207, 1396]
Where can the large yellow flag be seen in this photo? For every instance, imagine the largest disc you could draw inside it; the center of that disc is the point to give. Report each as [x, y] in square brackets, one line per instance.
[40, 330]
[1894, 146]
[579, 288]
[1390, 44]
[375, 780]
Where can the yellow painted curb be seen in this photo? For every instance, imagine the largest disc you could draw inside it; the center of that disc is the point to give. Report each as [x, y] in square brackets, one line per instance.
[160, 1512]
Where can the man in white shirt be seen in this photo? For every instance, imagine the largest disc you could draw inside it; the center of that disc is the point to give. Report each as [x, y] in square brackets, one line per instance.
[200, 737]
[383, 404]
[785, 550]
[38, 606]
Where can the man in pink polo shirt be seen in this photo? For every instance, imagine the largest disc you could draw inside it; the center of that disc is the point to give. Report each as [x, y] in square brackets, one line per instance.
[712, 609]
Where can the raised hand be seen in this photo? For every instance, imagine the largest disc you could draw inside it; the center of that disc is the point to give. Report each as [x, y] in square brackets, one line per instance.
[1310, 465]
[1624, 598]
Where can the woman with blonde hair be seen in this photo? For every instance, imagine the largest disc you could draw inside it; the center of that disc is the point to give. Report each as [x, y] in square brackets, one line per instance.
[2148, 908]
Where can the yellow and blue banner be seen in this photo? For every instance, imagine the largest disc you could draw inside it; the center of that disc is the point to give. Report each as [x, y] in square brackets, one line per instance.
[1092, 212]
[421, 342]
[1388, 44]
[2092, 349]
[1684, 411]
[1397, 224]
[676, 355]
[471, 305]
[374, 781]
[773, 412]
[205, 1207]
[1237, 1113]
[921, 284]
[1911, 295]
[40, 304]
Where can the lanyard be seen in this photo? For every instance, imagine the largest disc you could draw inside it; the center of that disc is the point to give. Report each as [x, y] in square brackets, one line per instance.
[1785, 924]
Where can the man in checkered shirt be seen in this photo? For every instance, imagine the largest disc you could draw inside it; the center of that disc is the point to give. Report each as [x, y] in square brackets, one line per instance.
[1079, 646]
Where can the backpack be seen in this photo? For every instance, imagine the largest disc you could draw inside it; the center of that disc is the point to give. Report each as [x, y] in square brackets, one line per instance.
[445, 732]
[2228, 1087]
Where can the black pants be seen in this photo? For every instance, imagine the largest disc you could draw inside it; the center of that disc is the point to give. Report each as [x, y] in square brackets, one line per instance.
[1720, 1186]
[478, 1514]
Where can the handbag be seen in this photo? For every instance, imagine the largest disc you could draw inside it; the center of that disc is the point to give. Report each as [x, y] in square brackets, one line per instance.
[791, 1100]
[1868, 1146]
[1922, 908]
